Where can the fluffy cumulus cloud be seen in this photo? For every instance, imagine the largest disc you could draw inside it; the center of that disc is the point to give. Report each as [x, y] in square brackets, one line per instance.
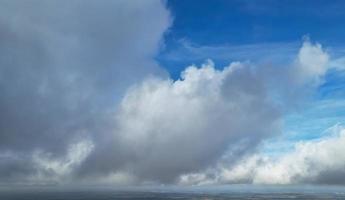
[174, 127]
[83, 101]
[311, 63]
[313, 162]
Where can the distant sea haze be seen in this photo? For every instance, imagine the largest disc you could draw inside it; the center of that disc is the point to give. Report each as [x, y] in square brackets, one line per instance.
[237, 192]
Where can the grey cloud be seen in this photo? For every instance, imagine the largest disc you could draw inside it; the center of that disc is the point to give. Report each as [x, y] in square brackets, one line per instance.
[15, 168]
[64, 66]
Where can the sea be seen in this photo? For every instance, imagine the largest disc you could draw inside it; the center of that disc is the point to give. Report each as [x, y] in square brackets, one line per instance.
[238, 192]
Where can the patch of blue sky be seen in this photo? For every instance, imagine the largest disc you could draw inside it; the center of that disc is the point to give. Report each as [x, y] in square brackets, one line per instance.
[310, 123]
[333, 86]
[315, 118]
[225, 31]
[221, 22]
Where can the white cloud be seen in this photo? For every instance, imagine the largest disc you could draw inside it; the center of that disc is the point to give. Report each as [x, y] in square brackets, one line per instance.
[293, 83]
[166, 130]
[318, 162]
[311, 63]
[60, 170]
[173, 127]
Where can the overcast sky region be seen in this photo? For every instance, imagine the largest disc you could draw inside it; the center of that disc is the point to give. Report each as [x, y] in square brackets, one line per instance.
[133, 93]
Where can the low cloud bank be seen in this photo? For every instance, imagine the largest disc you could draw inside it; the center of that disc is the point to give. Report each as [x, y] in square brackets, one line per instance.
[312, 162]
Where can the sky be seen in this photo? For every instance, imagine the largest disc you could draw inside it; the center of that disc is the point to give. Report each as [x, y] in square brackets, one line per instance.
[137, 93]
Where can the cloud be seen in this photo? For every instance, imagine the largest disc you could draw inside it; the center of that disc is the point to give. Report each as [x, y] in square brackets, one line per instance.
[187, 51]
[286, 88]
[314, 162]
[61, 169]
[172, 127]
[311, 63]
[292, 84]
[82, 99]
[64, 66]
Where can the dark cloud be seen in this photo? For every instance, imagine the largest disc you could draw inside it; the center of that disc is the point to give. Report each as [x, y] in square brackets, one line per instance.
[64, 65]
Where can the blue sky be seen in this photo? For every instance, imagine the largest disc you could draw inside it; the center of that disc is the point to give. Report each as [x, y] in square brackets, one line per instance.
[237, 23]
[243, 22]
[266, 32]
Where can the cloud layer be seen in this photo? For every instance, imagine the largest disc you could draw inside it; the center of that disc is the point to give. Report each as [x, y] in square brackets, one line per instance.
[83, 101]
[312, 162]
